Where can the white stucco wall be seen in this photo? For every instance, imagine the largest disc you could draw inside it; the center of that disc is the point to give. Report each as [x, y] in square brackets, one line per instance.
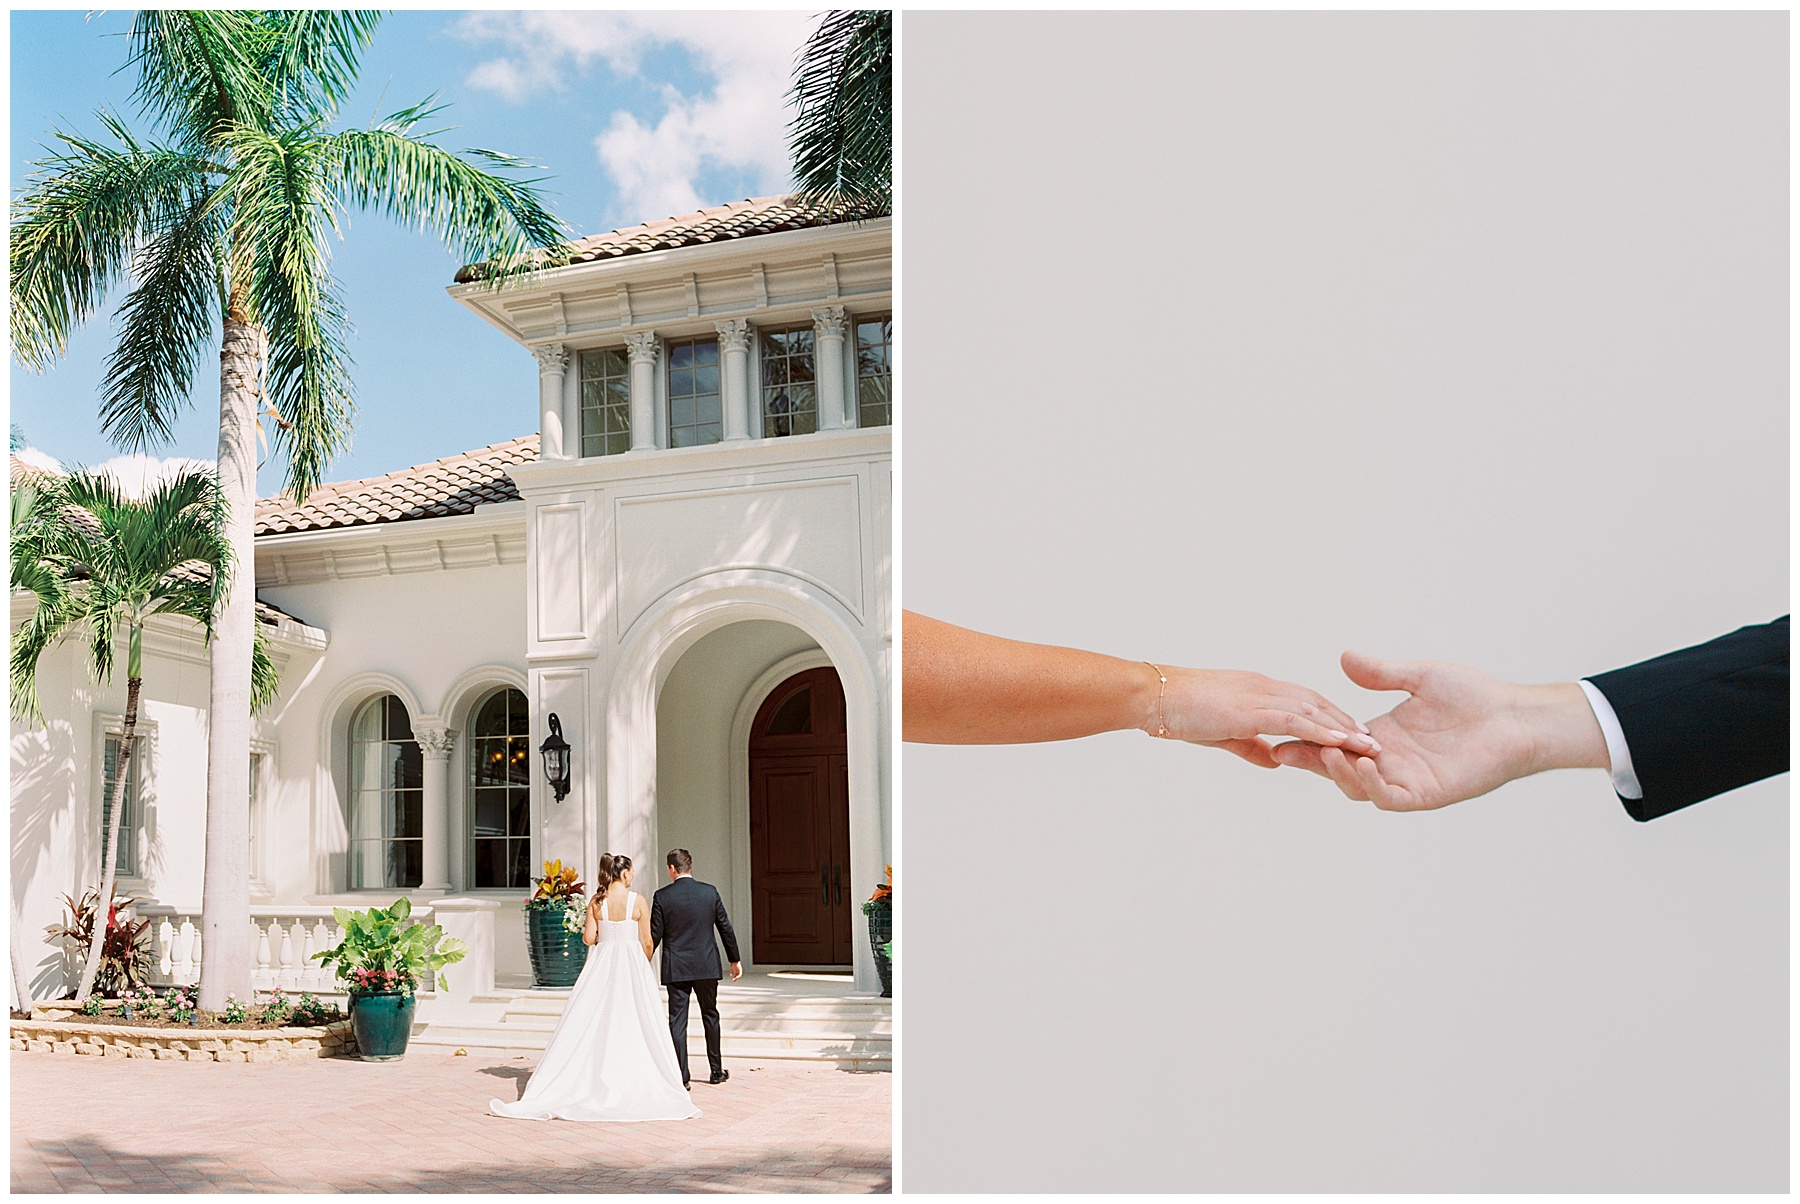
[425, 636]
[56, 782]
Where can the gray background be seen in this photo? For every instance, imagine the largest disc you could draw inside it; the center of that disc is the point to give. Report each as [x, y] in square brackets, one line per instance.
[1235, 340]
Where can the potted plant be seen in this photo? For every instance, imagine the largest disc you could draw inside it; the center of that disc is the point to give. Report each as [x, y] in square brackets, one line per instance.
[554, 916]
[880, 910]
[380, 961]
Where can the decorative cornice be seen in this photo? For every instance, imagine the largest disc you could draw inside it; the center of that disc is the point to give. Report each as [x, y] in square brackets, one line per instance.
[436, 742]
[641, 347]
[830, 322]
[552, 358]
[734, 335]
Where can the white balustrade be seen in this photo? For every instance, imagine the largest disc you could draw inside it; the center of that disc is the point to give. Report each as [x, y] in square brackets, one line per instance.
[283, 941]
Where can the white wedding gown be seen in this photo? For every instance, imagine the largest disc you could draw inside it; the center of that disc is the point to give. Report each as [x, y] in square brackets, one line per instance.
[611, 1056]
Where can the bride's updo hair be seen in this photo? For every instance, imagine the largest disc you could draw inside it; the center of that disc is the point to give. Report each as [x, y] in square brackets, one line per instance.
[605, 874]
[611, 868]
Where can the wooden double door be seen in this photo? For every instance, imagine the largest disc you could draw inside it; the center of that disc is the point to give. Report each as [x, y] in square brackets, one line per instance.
[800, 894]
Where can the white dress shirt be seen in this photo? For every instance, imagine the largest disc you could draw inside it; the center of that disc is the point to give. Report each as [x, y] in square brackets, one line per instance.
[1624, 778]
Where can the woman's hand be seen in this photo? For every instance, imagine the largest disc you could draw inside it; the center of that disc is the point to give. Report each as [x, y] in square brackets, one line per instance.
[1233, 710]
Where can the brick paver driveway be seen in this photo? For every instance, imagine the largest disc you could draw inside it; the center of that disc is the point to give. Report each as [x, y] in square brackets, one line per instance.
[421, 1124]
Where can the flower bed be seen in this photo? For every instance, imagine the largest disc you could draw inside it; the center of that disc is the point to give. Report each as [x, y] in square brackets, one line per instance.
[116, 1037]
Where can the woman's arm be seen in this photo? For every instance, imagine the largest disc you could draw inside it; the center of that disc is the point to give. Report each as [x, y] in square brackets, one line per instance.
[962, 687]
[643, 919]
[590, 926]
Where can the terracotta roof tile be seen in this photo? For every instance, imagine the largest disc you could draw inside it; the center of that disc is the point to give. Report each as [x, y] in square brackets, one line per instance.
[723, 223]
[454, 485]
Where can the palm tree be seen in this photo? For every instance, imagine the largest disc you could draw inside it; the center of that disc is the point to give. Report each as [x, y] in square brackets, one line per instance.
[842, 138]
[101, 565]
[222, 224]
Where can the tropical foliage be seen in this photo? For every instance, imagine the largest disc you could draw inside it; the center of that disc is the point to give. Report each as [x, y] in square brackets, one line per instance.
[101, 565]
[381, 952]
[124, 958]
[842, 136]
[220, 216]
[557, 887]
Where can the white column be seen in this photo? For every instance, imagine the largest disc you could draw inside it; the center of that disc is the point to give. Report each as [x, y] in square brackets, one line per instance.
[436, 743]
[734, 354]
[553, 361]
[642, 350]
[828, 343]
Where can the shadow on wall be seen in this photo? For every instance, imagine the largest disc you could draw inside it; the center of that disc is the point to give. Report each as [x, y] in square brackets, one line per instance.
[43, 798]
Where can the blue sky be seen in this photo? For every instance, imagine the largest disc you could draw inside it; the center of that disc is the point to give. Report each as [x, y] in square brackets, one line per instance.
[637, 115]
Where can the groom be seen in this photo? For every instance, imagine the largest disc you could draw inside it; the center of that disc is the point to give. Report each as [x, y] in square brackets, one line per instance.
[682, 919]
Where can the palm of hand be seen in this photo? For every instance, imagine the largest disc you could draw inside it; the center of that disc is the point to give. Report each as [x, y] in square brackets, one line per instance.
[1446, 744]
[1450, 741]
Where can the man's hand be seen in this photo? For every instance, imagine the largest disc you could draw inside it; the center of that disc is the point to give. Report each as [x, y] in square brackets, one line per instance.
[737, 970]
[1461, 734]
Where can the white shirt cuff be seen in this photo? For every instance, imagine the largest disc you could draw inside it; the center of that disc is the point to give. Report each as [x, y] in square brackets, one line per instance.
[1624, 778]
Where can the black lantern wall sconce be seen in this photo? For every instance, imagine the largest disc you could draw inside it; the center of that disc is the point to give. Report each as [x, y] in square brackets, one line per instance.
[556, 759]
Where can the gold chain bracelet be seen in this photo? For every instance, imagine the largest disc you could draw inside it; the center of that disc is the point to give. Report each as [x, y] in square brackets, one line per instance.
[1162, 728]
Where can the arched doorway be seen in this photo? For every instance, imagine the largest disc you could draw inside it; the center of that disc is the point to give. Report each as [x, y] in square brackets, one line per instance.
[800, 894]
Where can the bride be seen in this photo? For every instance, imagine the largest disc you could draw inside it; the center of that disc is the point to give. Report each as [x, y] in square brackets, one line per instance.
[610, 1057]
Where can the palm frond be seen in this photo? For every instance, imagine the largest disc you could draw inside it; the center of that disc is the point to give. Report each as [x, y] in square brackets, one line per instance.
[164, 324]
[480, 216]
[81, 215]
[117, 561]
[284, 213]
[265, 679]
[842, 135]
[200, 70]
[315, 60]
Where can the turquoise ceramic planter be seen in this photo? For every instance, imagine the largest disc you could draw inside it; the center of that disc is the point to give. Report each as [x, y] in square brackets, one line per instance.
[382, 1024]
[557, 955]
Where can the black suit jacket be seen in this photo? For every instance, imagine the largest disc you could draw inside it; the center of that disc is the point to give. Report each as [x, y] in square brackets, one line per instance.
[1706, 719]
[682, 918]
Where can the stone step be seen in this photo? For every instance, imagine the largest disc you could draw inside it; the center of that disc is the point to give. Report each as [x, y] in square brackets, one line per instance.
[809, 1009]
[869, 1052]
[801, 1025]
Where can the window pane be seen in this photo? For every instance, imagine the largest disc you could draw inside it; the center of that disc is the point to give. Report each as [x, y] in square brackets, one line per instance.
[605, 384]
[490, 813]
[789, 399]
[693, 382]
[874, 371]
[128, 818]
[399, 724]
[500, 795]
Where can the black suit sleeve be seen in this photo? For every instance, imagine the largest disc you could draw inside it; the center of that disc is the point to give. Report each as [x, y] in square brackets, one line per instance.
[722, 922]
[656, 919]
[1704, 720]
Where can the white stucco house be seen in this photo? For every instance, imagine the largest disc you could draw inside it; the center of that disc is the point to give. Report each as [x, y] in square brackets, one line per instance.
[688, 563]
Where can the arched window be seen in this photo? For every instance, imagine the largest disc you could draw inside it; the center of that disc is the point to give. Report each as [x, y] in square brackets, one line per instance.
[500, 792]
[387, 809]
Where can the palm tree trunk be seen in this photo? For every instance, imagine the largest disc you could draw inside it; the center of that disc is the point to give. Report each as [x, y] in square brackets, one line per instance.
[225, 898]
[109, 841]
[21, 975]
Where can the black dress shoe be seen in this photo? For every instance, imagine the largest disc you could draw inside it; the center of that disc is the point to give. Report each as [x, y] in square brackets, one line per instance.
[719, 1076]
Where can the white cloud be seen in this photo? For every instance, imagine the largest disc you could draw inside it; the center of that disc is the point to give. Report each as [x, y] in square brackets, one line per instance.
[740, 124]
[38, 459]
[136, 475]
